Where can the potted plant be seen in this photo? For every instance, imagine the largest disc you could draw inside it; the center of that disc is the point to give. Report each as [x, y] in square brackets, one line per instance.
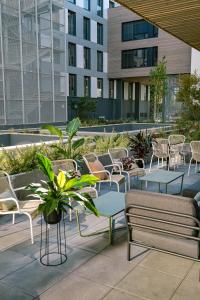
[57, 191]
[140, 145]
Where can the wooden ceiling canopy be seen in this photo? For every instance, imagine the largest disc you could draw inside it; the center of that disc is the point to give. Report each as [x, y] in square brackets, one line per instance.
[181, 18]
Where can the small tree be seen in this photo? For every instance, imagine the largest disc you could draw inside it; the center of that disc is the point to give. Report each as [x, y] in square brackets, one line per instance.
[158, 82]
[83, 107]
[189, 96]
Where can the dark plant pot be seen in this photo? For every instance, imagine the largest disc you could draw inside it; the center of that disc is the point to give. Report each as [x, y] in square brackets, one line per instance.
[140, 164]
[53, 218]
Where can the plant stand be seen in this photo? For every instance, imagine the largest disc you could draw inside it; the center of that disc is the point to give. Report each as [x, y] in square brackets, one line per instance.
[53, 250]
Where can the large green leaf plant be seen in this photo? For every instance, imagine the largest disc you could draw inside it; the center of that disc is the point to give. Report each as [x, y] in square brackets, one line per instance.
[58, 190]
[70, 148]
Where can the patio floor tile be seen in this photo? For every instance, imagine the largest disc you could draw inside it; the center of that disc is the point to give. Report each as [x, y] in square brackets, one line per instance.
[166, 263]
[7, 293]
[74, 287]
[18, 261]
[149, 284]
[36, 278]
[194, 274]
[188, 290]
[105, 270]
[118, 295]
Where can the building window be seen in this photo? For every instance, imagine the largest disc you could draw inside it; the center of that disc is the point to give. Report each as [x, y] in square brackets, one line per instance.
[71, 22]
[72, 54]
[138, 30]
[100, 87]
[100, 8]
[86, 4]
[138, 58]
[111, 89]
[87, 58]
[86, 86]
[100, 33]
[99, 61]
[72, 85]
[72, 1]
[86, 28]
[111, 4]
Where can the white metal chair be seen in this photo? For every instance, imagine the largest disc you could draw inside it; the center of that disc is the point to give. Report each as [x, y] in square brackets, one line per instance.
[10, 205]
[116, 154]
[195, 149]
[160, 151]
[176, 153]
[71, 165]
[117, 179]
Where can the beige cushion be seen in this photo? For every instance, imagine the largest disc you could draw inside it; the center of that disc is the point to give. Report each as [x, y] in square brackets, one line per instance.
[88, 190]
[97, 166]
[168, 243]
[9, 204]
[137, 172]
[30, 206]
[170, 203]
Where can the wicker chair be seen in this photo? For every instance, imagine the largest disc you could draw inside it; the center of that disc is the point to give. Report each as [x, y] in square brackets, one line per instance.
[116, 154]
[9, 204]
[111, 178]
[176, 153]
[195, 149]
[71, 165]
[160, 151]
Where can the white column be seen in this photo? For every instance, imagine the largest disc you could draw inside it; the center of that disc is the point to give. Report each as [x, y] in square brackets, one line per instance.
[67, 84]
[93, 87]
[105, 8]
[133, 91]
[93, 31]
[125, 90]
[66, 20]
[105, 62]
[115, 89]
[79, 56]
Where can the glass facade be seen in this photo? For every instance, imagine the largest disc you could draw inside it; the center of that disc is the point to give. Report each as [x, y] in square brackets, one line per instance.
[138, 58]
[138, 30]
[86, 4]
[111, 88]
[100, 33]
[99, 61]
[86, 28]
[32, 63]
[71, 22]
[100, 8]
[87, 86]
[72, 54]
[87, 58]
[100, 87]
[72, 85]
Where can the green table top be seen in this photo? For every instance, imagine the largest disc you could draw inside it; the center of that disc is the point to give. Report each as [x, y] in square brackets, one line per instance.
[108, 205]
[162, 176]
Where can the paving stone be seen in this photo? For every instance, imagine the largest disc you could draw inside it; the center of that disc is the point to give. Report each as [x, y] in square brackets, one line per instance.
[11, 261]
[188, 290]
[194, 274]
[36, 278]
[118, 295]
[166, 263]
[105, 270]
[7, 293]
[75, 287]
[149, 283]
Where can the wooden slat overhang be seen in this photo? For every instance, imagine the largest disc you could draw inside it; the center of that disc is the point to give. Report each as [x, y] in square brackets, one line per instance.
[180, 18]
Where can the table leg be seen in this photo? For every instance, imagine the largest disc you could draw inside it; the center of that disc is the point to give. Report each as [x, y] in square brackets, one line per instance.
[181, 185]
[110, 230]
[166, 188]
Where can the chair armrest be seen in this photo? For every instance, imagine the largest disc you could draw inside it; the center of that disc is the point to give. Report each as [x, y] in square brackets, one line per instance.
[11, 199]
[114, 165]
[19, 189]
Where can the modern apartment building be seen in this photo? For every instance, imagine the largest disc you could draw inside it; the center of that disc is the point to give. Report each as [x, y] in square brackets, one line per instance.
[50, 51]
[135, 46]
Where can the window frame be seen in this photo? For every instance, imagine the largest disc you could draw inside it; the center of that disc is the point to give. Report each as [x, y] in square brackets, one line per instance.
[89, 5]
[74, 45]
[89, 86]
[151, 32]
[100, 34]
[151, 56]
[75, 85]
[99, 63]
[88, 50]
[74, 23]
[86, 33]
[100, 11]
[100, 80]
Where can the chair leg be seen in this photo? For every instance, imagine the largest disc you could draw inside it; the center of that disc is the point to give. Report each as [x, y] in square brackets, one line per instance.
[162, 162]
[158, 162]
[13, 219]
[196, 167]
[151, 163]
[189, 167]
[128, 181]
[70, 211]
[31, 227]
[117, 186]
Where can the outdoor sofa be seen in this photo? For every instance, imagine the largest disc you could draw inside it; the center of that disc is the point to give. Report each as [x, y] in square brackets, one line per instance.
[167, 223]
